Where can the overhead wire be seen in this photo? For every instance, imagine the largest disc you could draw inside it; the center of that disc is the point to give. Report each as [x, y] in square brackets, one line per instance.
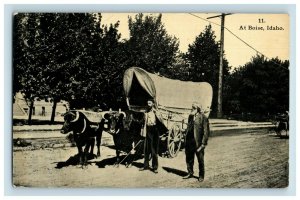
[257, 51]
[247, 44]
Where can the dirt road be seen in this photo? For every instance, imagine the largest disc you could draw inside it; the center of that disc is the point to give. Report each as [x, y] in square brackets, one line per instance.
[252, 159]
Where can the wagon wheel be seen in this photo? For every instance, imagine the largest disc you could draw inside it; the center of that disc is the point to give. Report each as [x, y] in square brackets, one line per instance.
[282, 129]
[283, 133]
[174, 140]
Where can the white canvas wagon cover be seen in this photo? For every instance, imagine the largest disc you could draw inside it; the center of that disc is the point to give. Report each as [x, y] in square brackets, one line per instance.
[168, 94]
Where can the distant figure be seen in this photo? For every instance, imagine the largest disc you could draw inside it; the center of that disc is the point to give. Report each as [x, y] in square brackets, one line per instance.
[153, 126]
[43, 111]
[196, 140]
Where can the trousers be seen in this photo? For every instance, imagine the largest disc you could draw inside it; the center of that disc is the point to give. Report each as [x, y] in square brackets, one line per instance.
[151, 147]
[190, 153]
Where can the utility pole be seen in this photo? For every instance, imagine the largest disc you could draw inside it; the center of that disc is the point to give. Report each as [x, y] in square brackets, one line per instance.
[220, 85]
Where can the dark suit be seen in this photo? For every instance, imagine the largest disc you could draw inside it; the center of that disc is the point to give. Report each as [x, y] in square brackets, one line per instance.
[151, 143]
[197, 135]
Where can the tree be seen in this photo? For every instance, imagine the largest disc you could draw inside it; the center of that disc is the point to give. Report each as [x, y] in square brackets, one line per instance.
[260, 87]
[103, 68]
[67, 56]
[149, 46]
[180, 69]
[27, 59]
[92, 64]
[49, 51]
[203, 58]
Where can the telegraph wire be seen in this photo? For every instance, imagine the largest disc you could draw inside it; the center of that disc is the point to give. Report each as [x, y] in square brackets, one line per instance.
[257, 51]
[205, 19]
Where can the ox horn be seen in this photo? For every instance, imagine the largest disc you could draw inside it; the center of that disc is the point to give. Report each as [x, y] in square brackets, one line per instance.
[121, 112]
[76, 117]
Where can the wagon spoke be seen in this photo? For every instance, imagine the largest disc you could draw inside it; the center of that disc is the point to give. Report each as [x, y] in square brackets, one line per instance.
[174, 140]
[172, 134]
[172, 147]
[171, 144]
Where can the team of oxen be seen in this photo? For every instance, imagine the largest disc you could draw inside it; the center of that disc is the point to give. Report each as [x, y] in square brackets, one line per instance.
[125, 128]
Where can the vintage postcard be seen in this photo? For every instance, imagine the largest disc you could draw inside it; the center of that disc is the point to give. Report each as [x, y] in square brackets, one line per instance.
[151, 100]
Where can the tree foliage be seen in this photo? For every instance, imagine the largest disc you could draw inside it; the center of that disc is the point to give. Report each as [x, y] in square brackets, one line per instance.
[69, 56]
[28, 58]
[74, 57]
[203, 57]
[180, 69]
[149, 46]
[261, 87]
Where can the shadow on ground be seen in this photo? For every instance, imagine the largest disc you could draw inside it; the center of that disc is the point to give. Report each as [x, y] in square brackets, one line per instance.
[73, 160]
[175, 171]
[127, 160]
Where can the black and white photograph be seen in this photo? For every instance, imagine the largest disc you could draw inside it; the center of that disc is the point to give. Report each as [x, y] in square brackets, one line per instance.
[150, 100]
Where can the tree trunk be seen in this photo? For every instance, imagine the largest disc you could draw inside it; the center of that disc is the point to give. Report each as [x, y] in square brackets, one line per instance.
[53, 111]
[30, 111]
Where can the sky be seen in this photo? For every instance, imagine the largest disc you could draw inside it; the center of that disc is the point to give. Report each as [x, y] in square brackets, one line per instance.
[184, 26]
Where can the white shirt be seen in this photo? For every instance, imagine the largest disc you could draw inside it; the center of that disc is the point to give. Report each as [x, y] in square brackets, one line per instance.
[151, 119]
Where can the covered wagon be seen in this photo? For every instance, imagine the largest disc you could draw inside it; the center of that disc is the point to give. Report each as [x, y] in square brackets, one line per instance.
[173, 98]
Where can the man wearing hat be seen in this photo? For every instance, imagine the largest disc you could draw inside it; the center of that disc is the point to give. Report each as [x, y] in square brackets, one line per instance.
[196, 140]
[153, 127]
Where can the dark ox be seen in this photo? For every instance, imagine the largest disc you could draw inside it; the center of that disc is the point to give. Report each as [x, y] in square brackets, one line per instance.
[125, 129]
[84, 135]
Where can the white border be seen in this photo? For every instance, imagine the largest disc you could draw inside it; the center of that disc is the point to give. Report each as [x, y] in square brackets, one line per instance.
[109, 7]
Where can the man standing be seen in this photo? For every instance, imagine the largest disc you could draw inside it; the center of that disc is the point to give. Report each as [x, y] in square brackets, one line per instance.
[196, 140]
[153, 125]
